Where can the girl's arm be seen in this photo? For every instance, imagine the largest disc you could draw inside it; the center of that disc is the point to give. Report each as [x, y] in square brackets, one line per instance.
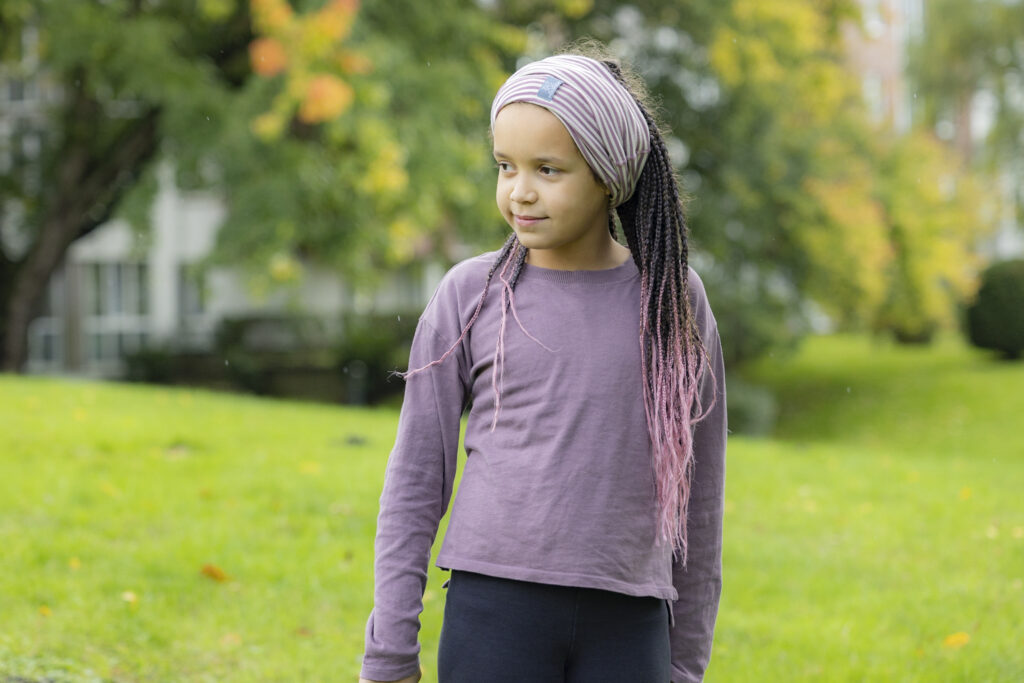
[699, 584]
[417, 488]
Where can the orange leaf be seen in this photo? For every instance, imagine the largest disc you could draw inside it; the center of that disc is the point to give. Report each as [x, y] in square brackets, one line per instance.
[355, 63]
[214, 572]
[955, 641]
[326, 98]
[267, 56]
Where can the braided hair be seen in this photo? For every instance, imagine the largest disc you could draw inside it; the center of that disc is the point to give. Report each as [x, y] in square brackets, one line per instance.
[673, 357]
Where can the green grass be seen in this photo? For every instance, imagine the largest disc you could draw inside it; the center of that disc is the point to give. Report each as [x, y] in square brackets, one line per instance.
[884, 517]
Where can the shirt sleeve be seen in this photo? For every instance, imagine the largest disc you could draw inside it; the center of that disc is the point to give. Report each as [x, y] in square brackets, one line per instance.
[699, 583]
[418, 485]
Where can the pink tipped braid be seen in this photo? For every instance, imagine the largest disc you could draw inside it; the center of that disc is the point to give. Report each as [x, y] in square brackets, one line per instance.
[508, 301]
[511, 254]
[673, 359]
[502, 255]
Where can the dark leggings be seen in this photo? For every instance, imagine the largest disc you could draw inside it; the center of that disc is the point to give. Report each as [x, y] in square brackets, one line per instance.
[497, 630]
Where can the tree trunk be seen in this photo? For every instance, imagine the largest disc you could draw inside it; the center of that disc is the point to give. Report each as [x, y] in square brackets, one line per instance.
[89, 185]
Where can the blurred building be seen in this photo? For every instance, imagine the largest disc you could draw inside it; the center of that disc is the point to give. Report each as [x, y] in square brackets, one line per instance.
[877, 52]
[119, 290]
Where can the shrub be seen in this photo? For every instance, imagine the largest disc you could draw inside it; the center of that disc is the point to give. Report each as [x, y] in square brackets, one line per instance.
[995, 320]
[257, 348]
[752, 409]
[153, 364]
[373, 346]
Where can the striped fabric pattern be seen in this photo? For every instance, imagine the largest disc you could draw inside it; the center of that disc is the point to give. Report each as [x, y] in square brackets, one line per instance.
[602, 117]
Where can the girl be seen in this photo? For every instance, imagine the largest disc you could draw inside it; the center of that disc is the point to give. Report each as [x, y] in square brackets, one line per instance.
[585, 541]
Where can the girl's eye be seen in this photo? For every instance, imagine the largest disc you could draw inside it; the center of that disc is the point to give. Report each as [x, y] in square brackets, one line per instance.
[502, 166]
[547, 170]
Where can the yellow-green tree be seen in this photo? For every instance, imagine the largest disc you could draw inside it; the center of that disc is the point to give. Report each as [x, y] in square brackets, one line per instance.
[349, 136]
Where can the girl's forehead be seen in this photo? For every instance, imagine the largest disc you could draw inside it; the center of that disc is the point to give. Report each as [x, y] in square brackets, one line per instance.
[522, 125]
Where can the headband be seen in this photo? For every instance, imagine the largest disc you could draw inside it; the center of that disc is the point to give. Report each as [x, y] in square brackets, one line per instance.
[602, 117]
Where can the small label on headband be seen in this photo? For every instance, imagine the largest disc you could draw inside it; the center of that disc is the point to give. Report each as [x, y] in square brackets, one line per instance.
[548, 88]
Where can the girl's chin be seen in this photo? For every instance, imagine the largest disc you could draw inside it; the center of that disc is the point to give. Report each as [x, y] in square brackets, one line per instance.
[530, 239]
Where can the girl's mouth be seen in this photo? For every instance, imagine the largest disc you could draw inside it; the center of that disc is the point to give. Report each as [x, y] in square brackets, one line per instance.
[527, 221]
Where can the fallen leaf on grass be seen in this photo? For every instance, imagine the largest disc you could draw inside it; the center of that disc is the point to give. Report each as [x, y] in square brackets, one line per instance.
[212, 571]
[310, 467]
[74, 564]
[45, 610]
[130, 598]
[955, 641]
[231, 640]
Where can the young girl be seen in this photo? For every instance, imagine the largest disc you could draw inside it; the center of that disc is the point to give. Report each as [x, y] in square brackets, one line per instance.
[585, 541]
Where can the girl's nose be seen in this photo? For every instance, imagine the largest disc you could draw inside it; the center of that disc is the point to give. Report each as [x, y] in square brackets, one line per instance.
[522, 194]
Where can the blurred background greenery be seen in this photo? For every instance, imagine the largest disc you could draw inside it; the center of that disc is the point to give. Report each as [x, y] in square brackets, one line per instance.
[259, 196]
[850, 166]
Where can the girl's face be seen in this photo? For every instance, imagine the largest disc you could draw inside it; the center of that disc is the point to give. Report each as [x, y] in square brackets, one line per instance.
[546, 190]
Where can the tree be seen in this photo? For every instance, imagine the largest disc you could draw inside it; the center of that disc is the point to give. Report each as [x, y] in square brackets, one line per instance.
[129, 78]
[316, 132]
[967, 48]
[794, 196]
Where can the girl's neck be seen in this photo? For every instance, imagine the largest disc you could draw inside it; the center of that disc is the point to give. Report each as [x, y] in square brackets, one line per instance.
[607, 255]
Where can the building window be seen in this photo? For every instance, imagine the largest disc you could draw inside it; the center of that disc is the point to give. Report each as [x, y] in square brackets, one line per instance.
[46, 331]
[117, 306]
[874, 97]
[191, 292]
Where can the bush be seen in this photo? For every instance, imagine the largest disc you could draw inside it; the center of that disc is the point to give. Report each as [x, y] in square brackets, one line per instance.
[373, 346]
[153, 365]
[259, 348]
[995, 320]
[752, 409]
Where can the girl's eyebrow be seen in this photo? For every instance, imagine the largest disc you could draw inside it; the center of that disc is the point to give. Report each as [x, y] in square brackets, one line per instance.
[542, 160]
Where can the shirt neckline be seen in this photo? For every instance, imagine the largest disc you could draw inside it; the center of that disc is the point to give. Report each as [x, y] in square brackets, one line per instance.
[620, 273]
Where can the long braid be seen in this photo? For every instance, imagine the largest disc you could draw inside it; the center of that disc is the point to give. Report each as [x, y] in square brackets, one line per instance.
[511, 256]
[503, 255]
[672, 354]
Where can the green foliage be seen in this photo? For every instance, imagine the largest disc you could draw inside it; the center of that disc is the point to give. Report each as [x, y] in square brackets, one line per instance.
[995, 320]
[752, 409]
[880, 523]
[257, 347]
[967, 47]
[794, 194]
[373, 347]
[932, 209]
[153, 365]
[395, 180]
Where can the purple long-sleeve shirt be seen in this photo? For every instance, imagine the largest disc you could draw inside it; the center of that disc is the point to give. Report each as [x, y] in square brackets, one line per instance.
[562, 490]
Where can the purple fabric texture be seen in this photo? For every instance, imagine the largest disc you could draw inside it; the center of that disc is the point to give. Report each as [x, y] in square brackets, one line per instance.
[562, 490]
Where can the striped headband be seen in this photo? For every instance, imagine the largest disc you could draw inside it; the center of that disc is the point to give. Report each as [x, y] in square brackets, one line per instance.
[602, 117]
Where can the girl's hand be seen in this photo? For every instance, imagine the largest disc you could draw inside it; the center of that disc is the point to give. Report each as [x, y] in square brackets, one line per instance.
[410, 679]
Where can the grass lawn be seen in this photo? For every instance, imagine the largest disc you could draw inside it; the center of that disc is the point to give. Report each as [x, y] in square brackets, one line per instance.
[155, 534]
